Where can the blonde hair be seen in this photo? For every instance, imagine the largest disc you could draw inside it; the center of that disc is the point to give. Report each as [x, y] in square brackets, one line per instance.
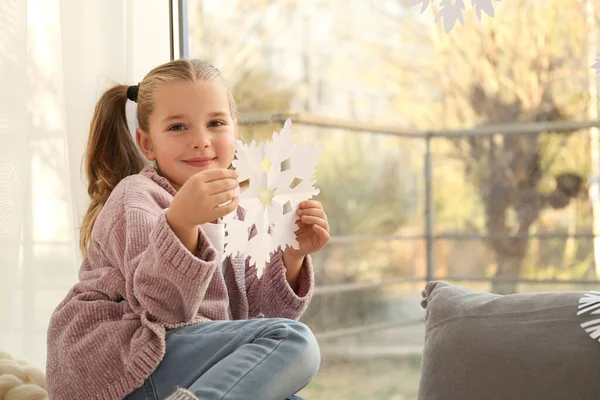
[112, 153]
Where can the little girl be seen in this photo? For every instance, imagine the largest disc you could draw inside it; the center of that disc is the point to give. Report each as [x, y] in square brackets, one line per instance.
[156, 312]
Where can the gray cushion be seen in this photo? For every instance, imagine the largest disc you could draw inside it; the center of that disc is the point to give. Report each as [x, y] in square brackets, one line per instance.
[492, 347]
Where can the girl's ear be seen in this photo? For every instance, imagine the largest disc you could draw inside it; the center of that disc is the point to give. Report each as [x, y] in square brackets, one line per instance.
[145, 144]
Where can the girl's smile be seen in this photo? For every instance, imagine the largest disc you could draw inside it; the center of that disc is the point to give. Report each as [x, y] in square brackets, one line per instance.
[200, 162]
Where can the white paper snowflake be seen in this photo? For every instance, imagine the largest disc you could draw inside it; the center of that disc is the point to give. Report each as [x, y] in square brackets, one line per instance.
[590, 304]
[452, 10]
[275, 177]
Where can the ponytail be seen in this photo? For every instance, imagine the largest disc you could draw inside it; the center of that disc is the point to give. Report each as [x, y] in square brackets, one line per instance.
[111, 156]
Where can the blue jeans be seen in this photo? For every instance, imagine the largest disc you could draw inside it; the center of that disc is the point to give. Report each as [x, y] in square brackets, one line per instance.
[267, 359]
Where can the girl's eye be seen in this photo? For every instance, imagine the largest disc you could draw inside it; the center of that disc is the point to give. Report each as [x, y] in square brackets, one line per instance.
[215, 123]
[177, 127]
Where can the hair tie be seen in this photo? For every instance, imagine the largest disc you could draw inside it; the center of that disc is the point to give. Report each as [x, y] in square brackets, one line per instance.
[132, 92]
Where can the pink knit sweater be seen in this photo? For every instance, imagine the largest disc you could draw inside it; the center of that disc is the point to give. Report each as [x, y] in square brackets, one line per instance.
[108, 335]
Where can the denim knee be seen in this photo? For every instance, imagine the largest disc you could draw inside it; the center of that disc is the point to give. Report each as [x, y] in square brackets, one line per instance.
[308, 358]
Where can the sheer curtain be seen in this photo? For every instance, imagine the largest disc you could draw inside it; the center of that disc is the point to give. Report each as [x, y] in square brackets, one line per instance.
[56, 57]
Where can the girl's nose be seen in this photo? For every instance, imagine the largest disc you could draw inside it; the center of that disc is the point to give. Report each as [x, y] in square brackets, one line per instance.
[200, 140]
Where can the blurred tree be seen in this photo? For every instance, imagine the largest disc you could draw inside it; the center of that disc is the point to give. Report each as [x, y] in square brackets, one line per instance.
[525, 65]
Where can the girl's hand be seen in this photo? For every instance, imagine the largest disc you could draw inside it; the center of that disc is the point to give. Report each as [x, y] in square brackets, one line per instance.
[313, 230]
[205, 197]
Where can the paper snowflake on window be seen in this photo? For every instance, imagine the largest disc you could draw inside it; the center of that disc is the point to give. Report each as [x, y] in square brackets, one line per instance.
[590, 304]
[452, 10]
[275, 177]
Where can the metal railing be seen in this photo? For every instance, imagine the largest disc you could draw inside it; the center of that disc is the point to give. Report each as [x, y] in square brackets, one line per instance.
[256, 119]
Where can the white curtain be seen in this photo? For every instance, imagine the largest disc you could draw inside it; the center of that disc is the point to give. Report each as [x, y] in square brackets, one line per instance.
[56, 57]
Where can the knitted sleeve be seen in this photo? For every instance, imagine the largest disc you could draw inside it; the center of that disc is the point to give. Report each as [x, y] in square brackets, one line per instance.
[271, 294]
[163, 279]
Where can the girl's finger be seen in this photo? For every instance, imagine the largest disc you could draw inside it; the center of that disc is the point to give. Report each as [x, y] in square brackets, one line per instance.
[223, 210]
[306, 236]
[307, 219]
[301, 231]
[216, 174]
[223, 197]
[222, 185]
[322, 232]
[315, 212]
[311, 204]
[300, 224]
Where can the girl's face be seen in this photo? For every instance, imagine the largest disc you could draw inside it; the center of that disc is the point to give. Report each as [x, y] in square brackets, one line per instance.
[191, 130]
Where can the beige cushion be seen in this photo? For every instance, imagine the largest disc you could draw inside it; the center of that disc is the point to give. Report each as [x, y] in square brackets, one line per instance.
[492, 347]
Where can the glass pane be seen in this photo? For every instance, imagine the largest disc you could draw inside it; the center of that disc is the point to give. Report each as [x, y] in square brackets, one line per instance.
[385, 63]
[363, 307]
[371, 184]
[503, 184]
[374, 364]
[462, 258]
[366, 377]
[369, 261]
[557, 259]
[317, 56]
